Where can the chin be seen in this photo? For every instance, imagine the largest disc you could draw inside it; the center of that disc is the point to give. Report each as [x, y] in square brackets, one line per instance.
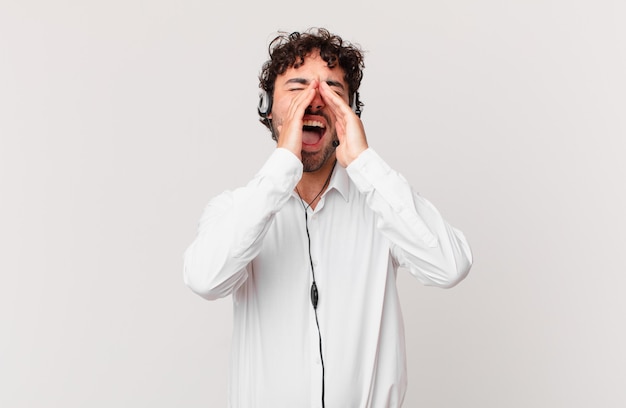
[313, 161]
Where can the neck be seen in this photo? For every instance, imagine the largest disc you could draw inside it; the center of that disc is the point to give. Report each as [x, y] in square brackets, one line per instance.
[313, 184]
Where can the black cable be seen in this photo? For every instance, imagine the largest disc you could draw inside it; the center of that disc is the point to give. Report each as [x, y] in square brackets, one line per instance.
[314, 299]
[314, 291]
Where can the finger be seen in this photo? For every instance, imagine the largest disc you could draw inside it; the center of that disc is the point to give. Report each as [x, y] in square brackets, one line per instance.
[301, 102]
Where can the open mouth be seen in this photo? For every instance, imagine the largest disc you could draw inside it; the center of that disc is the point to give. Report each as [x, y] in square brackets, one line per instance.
[312, 132]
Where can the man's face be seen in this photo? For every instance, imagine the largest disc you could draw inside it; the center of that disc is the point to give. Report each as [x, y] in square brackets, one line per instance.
[318, 131]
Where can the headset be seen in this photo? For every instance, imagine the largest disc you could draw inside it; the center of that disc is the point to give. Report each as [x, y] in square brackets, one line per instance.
[266, 101]
[265, 108]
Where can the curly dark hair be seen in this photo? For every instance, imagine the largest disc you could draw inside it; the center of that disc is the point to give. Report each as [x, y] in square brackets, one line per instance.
[289, 50]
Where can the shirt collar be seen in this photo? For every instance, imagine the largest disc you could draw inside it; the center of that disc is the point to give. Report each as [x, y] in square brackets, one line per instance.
[340, 182]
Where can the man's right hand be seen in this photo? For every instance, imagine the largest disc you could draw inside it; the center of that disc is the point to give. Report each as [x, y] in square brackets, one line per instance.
[289, 127]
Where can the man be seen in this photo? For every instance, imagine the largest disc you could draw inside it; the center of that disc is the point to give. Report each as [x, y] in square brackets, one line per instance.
[309, 249]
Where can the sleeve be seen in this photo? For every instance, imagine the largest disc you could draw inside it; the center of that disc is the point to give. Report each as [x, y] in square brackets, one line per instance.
[422, 241]
[232, 227]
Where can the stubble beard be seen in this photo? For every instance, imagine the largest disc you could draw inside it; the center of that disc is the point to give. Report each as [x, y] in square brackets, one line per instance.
[314, 161]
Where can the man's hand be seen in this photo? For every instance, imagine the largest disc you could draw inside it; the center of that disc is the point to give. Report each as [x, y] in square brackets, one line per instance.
[350, 131]
[289, 127]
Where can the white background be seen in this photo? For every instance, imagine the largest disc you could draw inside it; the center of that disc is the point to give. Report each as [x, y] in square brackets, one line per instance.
[119, 120]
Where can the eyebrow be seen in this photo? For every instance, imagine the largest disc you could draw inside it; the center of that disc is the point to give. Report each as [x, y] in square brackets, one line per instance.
[303, 81]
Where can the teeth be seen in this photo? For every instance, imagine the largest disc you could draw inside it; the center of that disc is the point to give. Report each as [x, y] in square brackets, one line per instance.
[313, 123]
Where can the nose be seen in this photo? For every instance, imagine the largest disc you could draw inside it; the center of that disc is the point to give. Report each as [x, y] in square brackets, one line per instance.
[317, 103]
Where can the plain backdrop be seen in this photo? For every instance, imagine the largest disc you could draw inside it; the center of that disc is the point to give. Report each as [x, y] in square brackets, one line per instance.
[119, 120]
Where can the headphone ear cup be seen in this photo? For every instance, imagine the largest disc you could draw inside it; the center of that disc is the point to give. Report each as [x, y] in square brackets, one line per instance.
[356, 104]
[265, 104]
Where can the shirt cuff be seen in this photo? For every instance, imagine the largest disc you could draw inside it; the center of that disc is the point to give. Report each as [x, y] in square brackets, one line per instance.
[282, 168]
[367, 170]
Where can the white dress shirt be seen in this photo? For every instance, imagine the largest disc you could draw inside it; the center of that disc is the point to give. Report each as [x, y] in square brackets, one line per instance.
[252, 243]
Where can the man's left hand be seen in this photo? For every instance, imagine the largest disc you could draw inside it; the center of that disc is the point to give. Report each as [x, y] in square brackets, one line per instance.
[350, 131]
